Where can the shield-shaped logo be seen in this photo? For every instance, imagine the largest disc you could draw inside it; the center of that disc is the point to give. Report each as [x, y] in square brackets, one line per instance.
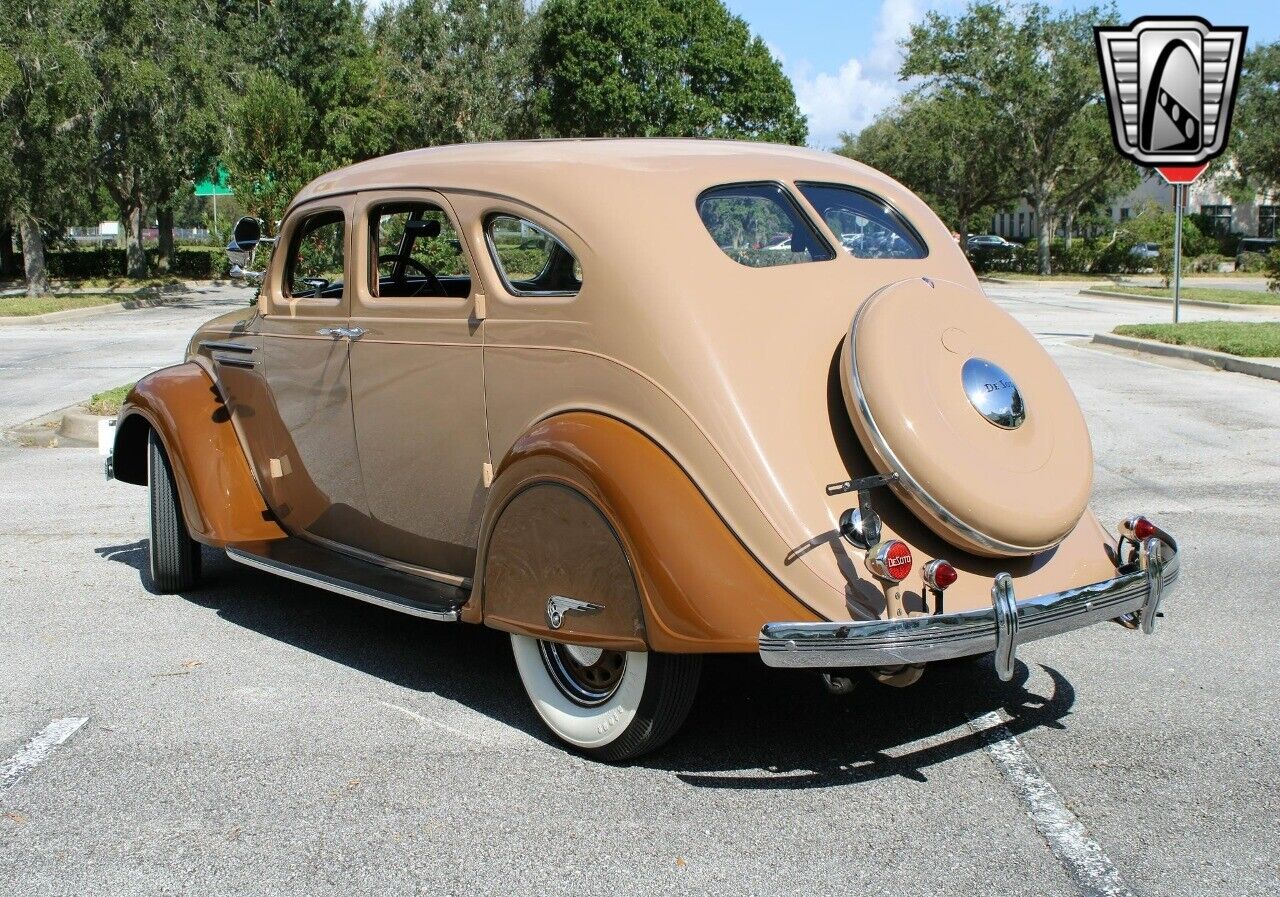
[1170, 85]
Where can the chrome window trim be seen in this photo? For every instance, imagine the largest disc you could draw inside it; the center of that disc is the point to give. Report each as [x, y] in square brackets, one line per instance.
[905, 480]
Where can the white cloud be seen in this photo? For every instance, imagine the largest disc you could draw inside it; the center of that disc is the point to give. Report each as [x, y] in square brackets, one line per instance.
[848, 99]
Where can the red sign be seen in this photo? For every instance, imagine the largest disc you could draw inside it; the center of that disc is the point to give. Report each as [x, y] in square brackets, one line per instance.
[1181, 174]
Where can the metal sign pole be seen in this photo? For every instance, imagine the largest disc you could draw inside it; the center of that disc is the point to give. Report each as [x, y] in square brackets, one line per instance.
[1178, 200]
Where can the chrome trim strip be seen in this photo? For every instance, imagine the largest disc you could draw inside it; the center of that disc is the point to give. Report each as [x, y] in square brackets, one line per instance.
[234, 361]
[226, 346]
[905, 480]
[338, 586]
[1001, 628]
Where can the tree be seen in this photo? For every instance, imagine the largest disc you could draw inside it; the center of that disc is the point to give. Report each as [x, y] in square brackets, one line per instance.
[1037, 74]
[945, 145]
[45, 89]
[460, 68]
[649, 68]
[1255, 139]
[155, 117]
[312, 97]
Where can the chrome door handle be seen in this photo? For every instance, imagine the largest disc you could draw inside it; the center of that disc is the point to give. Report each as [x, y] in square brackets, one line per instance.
[342, 332]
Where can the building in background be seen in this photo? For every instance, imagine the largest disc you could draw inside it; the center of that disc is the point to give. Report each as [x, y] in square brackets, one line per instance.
[1259, 217]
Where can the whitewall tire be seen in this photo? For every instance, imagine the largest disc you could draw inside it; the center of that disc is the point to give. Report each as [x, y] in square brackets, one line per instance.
[611, 705]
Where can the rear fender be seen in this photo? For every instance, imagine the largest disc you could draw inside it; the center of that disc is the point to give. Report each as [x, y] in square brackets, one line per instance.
[680, 581]
[221, 502]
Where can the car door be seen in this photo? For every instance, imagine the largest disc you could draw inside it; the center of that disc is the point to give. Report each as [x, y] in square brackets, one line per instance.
[418, 383]
[303, 436]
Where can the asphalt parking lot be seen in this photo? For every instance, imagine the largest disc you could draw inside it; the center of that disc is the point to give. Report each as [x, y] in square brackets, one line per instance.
[257, 737]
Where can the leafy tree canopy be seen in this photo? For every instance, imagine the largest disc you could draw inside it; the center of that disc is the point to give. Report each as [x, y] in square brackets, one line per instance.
[1255, 141]
[649, 68]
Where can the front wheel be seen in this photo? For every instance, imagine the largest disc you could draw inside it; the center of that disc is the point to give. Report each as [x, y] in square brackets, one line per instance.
[611, 705]
[175, 556]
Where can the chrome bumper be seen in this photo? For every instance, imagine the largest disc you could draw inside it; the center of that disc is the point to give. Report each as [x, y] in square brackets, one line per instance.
[999, 629]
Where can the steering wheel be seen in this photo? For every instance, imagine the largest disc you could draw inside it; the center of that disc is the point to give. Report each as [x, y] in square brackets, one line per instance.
[406, 261]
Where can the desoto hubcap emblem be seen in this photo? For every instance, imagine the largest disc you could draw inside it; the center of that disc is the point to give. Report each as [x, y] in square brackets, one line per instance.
[993, 393]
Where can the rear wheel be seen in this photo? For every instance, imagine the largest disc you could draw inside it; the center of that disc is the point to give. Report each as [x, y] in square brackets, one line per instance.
[175, 556]
[611, 705]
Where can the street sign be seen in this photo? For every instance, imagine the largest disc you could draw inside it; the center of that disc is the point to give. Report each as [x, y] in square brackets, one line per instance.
[215, 187]
[1181, 174]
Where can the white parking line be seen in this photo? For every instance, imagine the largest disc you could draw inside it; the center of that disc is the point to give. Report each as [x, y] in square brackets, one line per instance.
[428, 721]
[38, 749]
[1068, 839]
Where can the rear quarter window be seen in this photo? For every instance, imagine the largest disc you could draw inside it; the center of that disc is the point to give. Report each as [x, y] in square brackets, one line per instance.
[760, 225]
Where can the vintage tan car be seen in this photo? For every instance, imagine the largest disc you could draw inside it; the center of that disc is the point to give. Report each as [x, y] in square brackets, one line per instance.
[635, 401]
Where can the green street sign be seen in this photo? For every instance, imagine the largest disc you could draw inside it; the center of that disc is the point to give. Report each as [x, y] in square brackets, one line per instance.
[215, 187]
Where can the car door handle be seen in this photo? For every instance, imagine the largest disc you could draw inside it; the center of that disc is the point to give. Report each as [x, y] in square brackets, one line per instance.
[342, 332]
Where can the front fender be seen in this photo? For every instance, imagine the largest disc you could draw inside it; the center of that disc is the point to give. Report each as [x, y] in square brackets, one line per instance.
[699, 589]
[221, 502]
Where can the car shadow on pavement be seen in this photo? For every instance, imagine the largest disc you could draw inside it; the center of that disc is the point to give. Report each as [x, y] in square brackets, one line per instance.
[751, 727]
[758, 728]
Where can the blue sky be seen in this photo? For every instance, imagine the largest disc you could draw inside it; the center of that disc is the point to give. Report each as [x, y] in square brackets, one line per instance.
[842, 55]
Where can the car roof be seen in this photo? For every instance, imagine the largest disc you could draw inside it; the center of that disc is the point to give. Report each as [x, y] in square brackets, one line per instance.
[562, 174]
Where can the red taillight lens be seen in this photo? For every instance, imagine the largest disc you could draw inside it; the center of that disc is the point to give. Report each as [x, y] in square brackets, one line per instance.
[939, 574]
[1138, 528]
[890, 560]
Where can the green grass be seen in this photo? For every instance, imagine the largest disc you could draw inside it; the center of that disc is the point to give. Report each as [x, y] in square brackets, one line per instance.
[1249, 339]
[108, 402]
[21, 306]
[1206, 294]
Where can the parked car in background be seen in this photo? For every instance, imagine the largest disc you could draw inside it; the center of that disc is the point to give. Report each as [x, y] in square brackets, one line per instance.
[1145, 251]
[778, 244]
[989, 241]
[473, 388]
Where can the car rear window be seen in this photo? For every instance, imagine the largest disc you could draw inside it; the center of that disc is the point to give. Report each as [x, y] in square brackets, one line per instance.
[531, 261]
[760, 225]
[868, 227]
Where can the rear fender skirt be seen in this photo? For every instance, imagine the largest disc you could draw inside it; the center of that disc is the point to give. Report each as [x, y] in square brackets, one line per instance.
[698, 588]
[221, 502]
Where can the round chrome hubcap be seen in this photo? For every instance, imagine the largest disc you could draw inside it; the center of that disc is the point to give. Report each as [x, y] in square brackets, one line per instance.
[993, 393]
[586, 676]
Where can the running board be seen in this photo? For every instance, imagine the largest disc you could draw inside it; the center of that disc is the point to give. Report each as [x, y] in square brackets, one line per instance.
[304, 562]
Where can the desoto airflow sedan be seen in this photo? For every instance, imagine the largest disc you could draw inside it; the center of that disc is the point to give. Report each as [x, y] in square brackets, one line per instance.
[634, 402]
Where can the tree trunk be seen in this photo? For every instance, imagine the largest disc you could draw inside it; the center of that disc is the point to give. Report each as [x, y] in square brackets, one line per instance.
[1068, 224]
[1044, 227]
[135, 258]
[8, 258]
[164, 259]
[33, 256]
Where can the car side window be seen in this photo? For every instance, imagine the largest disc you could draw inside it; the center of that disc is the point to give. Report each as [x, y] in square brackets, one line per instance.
[417, 252]
[531, 261]
[868, 227]
[317, 256]
[760, 225]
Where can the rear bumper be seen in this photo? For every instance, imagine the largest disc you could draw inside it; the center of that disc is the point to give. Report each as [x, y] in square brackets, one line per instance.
[999, 629]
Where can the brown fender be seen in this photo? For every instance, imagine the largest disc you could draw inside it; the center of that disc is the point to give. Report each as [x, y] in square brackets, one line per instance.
[221, 502]
[698, 588]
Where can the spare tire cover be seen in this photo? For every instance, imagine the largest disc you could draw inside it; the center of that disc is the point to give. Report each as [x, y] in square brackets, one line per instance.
[967, 467]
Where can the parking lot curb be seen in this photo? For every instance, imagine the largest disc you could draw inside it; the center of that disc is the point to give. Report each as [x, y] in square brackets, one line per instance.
[1197, 303]
[1219, 360]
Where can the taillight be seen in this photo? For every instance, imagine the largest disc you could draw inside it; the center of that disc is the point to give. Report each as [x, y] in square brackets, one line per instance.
[939, 574]
[890, 560]
[1138, 528]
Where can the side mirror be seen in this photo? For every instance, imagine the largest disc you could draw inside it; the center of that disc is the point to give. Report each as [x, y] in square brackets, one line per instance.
[245, 235]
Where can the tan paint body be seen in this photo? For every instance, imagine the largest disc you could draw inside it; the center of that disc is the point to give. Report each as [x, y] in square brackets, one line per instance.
[731, 374]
